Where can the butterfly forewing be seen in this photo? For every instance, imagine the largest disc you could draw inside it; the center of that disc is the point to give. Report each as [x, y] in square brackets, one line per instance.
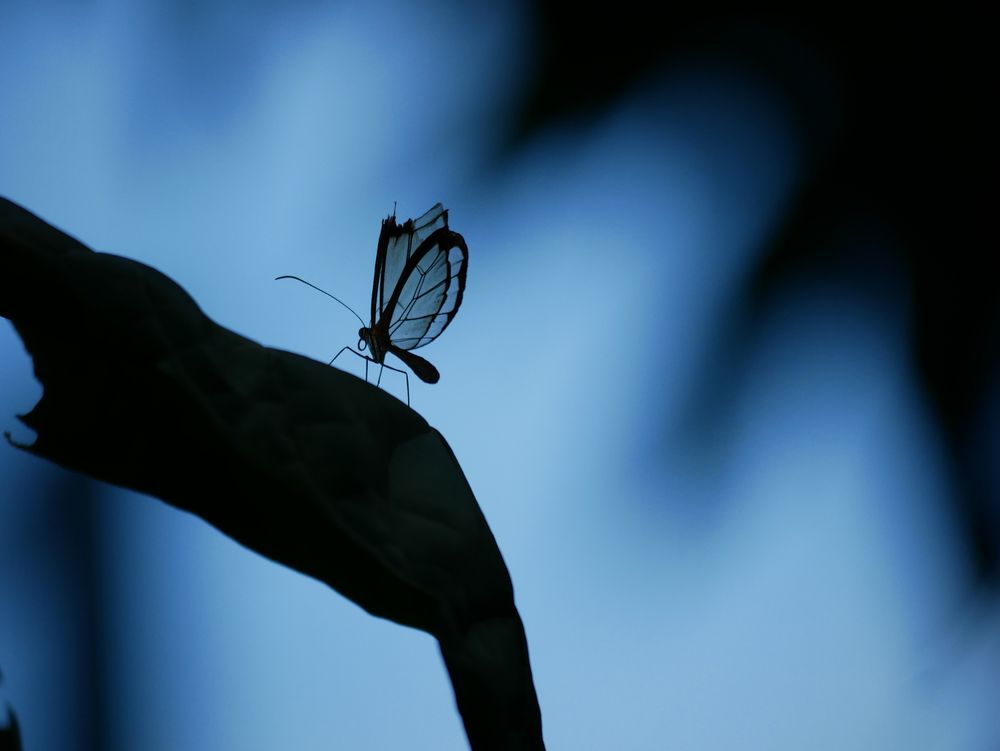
[397, 244]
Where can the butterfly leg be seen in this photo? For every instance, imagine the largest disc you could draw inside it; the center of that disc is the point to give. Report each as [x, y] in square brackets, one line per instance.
[406, 377]
[339, 354]
[353, 352]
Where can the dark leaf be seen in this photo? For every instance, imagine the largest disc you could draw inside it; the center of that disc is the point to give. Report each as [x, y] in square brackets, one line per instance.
[298, 461]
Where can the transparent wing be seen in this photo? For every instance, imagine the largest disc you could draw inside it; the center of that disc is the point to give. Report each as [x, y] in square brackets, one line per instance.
[429, 289]
[397, 246]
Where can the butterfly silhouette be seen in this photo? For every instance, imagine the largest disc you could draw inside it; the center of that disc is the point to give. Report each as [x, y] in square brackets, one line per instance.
[420, 268]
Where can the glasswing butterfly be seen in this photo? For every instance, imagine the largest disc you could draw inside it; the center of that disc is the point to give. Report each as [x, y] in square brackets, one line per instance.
[419, 282]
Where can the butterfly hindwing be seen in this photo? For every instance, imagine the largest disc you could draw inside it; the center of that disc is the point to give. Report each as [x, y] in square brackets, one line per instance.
[431, 292]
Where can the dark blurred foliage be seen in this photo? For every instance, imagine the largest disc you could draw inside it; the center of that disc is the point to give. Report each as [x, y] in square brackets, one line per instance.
[897, 134]
[10, 733]
[59, 539]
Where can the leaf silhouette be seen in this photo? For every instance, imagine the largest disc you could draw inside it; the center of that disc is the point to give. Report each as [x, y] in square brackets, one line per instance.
[299, 461]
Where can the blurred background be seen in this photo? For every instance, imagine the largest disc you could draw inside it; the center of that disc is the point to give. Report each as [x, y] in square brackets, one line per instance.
[725, 379]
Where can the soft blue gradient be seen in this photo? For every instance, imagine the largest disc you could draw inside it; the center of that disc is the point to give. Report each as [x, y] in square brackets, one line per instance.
[229, 143]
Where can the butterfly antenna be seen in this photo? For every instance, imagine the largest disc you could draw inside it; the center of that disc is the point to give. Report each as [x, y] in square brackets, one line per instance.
[289, 276]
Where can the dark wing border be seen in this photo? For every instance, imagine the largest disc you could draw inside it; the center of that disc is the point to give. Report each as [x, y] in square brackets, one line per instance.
[389, 229]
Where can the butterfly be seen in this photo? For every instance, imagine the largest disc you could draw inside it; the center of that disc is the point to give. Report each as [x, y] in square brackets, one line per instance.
[420, 268]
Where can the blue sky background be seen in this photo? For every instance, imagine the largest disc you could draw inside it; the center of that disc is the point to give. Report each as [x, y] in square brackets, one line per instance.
[799, 589]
